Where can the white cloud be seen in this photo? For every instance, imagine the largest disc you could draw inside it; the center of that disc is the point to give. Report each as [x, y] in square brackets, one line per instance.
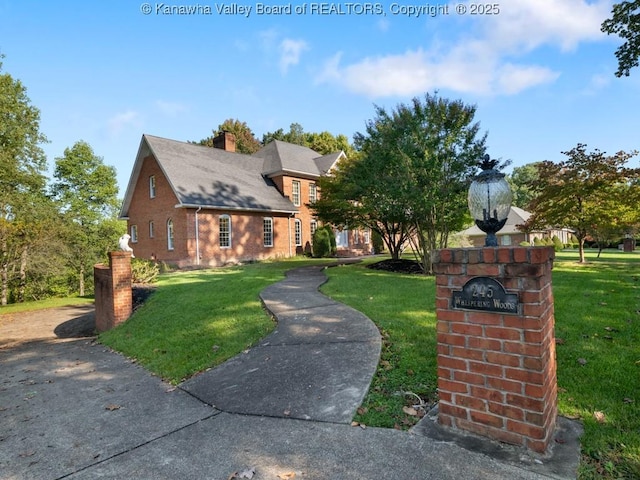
[480, 61]
[170, 109]
[290, 51]
[119, 122]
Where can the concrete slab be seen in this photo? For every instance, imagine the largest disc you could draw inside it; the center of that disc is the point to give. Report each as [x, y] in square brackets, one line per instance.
[274, 449]
[304, 381]
[67, 405]
[338, 323]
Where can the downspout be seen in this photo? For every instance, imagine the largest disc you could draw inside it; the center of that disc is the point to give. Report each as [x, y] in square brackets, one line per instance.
[197, 238]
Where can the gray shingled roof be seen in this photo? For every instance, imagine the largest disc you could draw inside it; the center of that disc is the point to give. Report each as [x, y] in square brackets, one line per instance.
[210, 177]
[281, 156]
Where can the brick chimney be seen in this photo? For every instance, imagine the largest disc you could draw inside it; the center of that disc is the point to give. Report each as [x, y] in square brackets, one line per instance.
[225, 141]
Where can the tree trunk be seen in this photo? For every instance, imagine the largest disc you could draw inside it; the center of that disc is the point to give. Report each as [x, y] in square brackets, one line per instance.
[81, 281]
[23, 274]
[4, 274]
[581, 249]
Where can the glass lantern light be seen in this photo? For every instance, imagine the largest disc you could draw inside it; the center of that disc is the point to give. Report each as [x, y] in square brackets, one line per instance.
[489, 200]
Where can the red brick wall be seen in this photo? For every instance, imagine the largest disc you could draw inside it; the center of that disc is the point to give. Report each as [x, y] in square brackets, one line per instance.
[113, 296]
[160, 209]
[497, 372]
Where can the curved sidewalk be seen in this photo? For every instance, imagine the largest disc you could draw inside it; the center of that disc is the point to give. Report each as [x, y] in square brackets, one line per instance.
[317, 364]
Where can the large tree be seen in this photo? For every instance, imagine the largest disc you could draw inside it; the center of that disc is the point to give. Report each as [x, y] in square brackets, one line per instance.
[246, 142]
[411, 178]
[22, 166]
[590, 193]
[87, 192]
[625, 22]
[522, 181]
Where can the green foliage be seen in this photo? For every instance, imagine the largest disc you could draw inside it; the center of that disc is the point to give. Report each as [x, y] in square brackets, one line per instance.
[22, 184]
[324, 242]
[557, 243]
[86, 190]
[246, 142]
[378, 243]
[525, 244]
[625, 22]
[144, 271]
[323, 142]
[590, 193]
[411, 177]
[538, 242]
[522, 182]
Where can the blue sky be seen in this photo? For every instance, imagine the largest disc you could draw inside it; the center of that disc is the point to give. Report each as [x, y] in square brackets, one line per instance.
[539, 71]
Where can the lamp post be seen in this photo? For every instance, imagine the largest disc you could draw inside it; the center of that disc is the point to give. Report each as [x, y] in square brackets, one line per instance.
[489, 200]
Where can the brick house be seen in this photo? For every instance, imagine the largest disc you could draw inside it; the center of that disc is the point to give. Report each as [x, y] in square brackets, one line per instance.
[191, 205]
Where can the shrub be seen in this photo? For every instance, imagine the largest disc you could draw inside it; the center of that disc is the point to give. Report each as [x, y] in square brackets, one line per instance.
[322, 243]
[538, 242]
[144, 271]
[557, 244]
[378, 243]
[525, 244]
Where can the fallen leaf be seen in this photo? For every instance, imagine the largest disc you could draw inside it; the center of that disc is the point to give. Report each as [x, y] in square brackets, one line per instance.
[582, 361]
[410, 411]
[287, 475]
[560, 341]
[30, 453]
[362, 410]
[111, 407]
[410, 372]
[599, 417]
[355, 424]
[287, 412]
[215, 348]
[628, 400]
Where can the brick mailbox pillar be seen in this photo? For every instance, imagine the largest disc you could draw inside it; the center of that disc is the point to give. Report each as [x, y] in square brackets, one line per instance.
[496, 344]
[114, 300]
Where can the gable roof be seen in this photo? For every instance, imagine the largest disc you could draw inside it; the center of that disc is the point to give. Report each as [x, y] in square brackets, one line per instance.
[209, 177]
[517, 216]
[282, 157]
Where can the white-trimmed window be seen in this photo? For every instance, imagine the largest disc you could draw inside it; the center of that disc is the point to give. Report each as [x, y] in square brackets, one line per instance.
[267, 232]
[342, 238]
[295, 193]
[313, 227]
[366, 237]
[152, 186]
[313, 192]
[356, 237]
[134, 234]
[224, 224]
[298, 232]
[170, 234]
[151, 232]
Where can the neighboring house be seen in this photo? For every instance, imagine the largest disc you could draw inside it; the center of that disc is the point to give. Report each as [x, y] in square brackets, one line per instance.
[510, 235]
[189, 205]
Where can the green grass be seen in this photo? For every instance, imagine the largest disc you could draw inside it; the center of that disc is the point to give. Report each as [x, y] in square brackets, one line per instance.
[42, 304]
[199, 319]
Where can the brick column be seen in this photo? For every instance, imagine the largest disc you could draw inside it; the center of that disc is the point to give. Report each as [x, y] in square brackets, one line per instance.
[497, 371]
[114, 301]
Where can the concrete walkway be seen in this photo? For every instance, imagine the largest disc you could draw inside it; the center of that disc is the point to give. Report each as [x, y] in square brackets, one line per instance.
[73, 409]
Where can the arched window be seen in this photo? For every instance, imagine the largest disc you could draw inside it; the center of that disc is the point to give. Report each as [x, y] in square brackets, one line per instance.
[224, 223]
[298, 232]
[170, 234]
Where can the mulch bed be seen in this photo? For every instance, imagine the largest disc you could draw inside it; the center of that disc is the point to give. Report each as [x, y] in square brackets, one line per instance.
[398, 266]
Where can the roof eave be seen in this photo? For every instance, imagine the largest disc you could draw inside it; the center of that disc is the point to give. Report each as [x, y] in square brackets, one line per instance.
[237, 209]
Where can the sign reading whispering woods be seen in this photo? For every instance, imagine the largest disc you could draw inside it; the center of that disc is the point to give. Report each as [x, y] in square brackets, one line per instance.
[485, 294]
